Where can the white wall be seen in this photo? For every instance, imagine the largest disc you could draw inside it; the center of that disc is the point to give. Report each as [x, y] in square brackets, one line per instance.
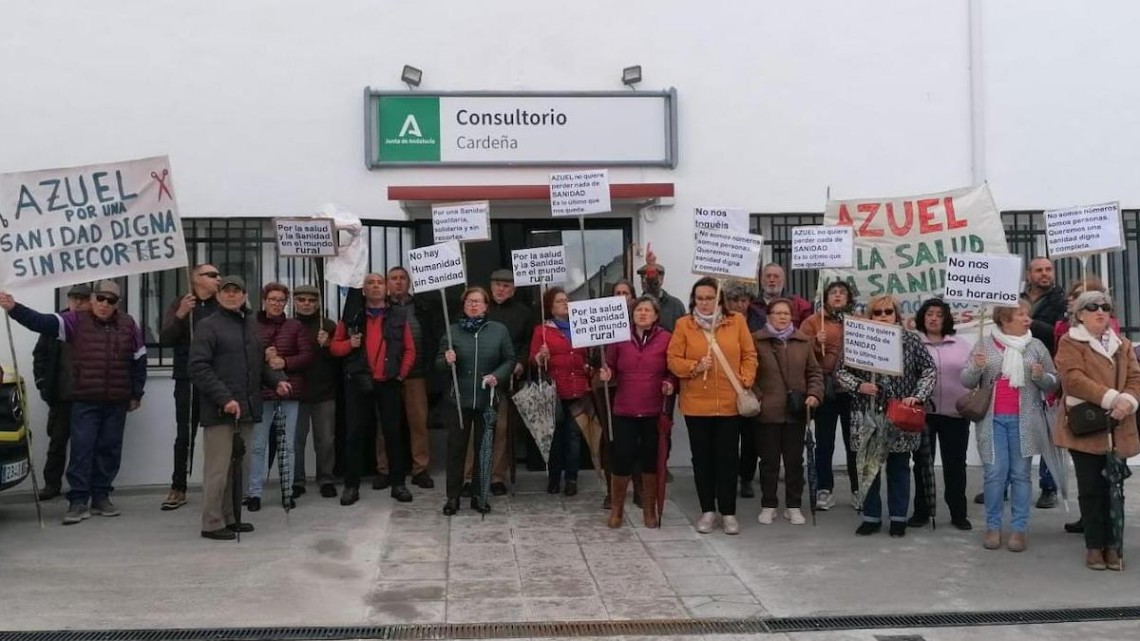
[259, 103]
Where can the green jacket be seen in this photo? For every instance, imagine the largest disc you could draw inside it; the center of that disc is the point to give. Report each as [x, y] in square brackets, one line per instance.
[487, 351]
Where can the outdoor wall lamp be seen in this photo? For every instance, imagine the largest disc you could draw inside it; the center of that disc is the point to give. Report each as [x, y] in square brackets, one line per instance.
[412, 76]
[630, 76]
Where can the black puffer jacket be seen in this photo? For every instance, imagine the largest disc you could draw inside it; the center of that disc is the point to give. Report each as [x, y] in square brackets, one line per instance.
[227, 363]
[51, 367]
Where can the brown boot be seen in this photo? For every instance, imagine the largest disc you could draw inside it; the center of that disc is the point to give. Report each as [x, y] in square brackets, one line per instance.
[618, 487]
[636, 480]
[649, 500]
[1017, 542]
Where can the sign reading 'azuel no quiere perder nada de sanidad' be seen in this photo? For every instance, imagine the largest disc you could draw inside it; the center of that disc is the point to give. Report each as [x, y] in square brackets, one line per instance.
[503, 128]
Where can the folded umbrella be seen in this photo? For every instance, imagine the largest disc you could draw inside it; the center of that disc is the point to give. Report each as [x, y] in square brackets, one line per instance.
[1052, 456]
[284, 457]
[926, 474]
[586, 416]
[1116, 472]
[537, 402]
[483, 469]
[809, 450]
[873, 449]
[237, 453]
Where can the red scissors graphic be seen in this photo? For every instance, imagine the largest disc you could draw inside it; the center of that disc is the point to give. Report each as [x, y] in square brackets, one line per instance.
[162, 188]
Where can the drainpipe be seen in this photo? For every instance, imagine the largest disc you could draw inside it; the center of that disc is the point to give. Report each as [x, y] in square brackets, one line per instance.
[975, 39]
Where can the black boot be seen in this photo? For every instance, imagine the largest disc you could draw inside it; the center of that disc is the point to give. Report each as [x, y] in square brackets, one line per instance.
[451, 506]
[350, 495]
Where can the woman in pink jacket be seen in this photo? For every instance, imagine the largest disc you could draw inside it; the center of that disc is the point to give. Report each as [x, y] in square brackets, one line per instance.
[640, 368]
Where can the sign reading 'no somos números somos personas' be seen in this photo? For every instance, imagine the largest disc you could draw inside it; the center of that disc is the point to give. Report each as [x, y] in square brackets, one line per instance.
[501, 128]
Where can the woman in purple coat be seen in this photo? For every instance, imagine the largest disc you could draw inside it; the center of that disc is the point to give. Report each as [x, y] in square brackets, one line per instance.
[643, 381]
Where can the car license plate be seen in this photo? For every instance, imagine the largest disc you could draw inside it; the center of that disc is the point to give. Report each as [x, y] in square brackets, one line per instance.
[14, 471]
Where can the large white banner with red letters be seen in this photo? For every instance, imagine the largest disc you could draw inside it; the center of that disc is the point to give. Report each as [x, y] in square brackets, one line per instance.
[901, 244]
[80, 224]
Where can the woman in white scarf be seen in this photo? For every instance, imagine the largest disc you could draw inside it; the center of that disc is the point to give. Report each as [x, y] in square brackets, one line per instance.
[1020, 371]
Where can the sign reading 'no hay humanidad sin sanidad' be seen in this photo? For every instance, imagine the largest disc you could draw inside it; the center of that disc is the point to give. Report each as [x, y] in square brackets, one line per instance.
[503, 128]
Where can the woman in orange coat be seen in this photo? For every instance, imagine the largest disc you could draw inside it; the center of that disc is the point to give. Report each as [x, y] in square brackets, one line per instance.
[708, 397]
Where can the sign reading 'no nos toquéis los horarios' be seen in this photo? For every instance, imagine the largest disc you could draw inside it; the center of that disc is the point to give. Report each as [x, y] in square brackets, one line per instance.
[502, 128]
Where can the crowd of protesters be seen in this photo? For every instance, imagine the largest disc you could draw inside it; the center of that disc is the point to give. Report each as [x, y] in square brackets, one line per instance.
[748, 369]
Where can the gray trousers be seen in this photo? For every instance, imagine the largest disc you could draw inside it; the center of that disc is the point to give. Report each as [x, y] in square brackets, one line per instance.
[217, 481]
[321, 417]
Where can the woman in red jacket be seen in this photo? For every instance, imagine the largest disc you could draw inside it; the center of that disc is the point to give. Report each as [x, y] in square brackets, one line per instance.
[550, 347]
[641, 370]
[287, 348]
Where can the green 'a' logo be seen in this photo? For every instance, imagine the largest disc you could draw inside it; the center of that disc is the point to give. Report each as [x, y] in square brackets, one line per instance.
[409, 129]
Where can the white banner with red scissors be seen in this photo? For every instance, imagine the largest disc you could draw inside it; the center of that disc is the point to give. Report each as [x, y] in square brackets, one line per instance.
[80, 224]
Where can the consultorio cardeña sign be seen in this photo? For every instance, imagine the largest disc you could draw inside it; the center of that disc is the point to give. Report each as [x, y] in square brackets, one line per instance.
[529, 128]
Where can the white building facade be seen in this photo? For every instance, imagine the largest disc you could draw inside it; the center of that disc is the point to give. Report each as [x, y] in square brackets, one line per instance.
[261, 107]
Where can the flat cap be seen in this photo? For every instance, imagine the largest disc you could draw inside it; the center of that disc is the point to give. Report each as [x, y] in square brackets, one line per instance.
[82, 290]
[503, 275]
[644, 268]
[307, 290]
[232, 281]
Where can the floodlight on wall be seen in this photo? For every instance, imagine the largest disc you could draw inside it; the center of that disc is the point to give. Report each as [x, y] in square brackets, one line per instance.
[411, 76]
[630, 76]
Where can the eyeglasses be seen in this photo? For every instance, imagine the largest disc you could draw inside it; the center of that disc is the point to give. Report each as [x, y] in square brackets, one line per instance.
[474, 301]
[110, 299]
[276, 300]
[883, 312]
[210, 274]
[1092, 307]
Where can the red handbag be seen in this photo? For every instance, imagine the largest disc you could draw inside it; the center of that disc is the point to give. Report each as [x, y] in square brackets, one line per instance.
[907, 419]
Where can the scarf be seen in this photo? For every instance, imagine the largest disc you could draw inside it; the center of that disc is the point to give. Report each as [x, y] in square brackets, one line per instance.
[708, 323]
[782, 335]
[472, 324]
[563, 326]
[1013, 359]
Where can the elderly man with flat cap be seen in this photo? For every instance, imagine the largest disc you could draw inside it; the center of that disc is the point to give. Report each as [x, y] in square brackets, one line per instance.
[108, 359]
[228, 367]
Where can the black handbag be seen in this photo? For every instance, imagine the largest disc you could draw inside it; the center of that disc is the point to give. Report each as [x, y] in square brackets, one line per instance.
[795, 398]
[1087, 418]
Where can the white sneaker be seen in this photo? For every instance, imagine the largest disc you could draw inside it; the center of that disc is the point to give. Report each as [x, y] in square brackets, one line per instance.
[767, 515]
[824, 501]
[794, 515]
[731, 525]
[706, 523]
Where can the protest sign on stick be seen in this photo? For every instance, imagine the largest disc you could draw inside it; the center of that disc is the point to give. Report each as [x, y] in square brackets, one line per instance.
[540, 266]
[599, 321]
[309, 237]
[464, 222]
[823, 247]
[1081, 231]
[79, 224]
[721, 219]
[987, 279]
[439, 267]
[873, 347]
[580, 193]
[727, 254]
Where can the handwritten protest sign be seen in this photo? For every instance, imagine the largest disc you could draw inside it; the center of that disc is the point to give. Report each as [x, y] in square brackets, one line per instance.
[63, 226]
[599, 321]
[539, 266]
[727, 254]
[1080, 231]
[989, 279]
[436, 267]
[820, 246]
[313, 237]
[901, 244]
[721, 219]
[872, 347]
[460, 221]
[579, 193]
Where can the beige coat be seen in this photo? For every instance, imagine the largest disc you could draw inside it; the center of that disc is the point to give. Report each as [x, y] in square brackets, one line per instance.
[1090, 373]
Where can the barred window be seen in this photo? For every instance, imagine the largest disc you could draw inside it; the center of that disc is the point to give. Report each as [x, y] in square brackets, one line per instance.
[245, 247]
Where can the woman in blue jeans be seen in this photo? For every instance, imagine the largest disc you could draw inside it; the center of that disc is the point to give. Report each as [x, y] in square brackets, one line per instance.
[913, 388]
[1021, 372]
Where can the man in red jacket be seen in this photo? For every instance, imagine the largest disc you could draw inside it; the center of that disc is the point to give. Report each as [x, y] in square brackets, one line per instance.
[378, 349]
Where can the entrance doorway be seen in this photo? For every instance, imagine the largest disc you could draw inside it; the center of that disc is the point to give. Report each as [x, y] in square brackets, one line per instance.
[608, 256]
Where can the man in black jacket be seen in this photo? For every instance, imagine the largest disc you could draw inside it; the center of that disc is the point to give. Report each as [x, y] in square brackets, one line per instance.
[228, 368]
[318, 406]
[178, 325]
[51, 366]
